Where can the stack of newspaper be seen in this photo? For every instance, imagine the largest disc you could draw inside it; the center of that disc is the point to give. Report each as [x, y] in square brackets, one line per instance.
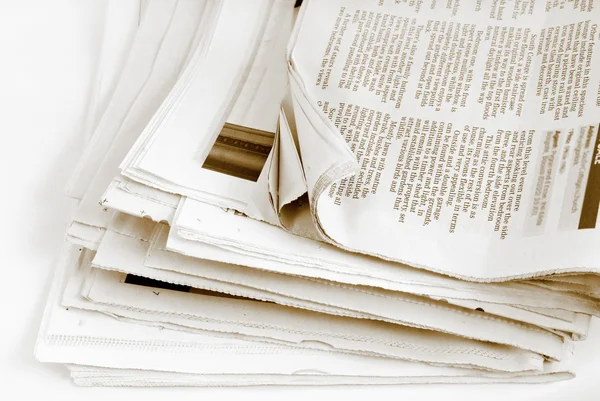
[345, 192]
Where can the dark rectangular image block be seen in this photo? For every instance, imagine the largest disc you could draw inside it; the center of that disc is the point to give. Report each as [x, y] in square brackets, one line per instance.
[157, 284]
[148, 282]
[591, 198]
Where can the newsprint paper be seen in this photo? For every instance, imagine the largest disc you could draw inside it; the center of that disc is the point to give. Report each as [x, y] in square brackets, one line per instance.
[456, 136]
[345, 192]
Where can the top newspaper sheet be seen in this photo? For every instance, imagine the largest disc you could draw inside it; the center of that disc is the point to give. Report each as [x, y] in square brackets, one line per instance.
[457, 137]
[460, 140]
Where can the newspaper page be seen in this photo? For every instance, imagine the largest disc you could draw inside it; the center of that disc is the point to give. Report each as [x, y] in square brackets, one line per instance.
[144, 84]
[141, 57]
[472, 128]
[212, 138]
[402, 309]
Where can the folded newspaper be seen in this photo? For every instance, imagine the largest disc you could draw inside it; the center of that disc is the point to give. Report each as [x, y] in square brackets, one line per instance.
[334, 193]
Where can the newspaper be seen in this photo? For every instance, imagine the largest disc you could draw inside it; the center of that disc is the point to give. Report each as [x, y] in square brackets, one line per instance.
[341, 298]
[141, 51]
[485, 172]
[158, 53]
[76, 336]
[214, 133]
[243, 241]
[457, 137]
[402, 309]
[247, 175]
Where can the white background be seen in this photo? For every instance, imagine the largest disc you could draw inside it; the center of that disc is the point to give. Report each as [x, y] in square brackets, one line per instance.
[48, 50]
